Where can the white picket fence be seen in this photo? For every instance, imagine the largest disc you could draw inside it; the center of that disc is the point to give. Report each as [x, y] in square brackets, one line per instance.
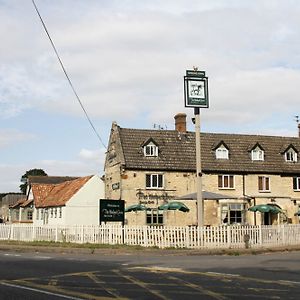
[221, 237]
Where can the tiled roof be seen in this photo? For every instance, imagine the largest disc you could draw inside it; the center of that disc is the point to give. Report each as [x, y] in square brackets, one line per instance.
[40, 192]
[26, 202]
[177, 152]
[49, 179]
[18, 203]
[50, 195]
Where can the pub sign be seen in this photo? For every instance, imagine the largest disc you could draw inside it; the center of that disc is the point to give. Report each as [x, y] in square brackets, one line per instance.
[112, 210]
[196, 89]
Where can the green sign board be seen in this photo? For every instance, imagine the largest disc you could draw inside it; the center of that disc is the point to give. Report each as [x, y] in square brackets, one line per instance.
[196, 89]
[112, 210]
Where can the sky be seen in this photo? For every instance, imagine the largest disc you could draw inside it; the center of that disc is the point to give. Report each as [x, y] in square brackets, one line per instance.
[126, 60]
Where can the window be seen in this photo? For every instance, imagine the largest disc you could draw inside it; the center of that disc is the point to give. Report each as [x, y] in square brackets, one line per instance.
[154, 181]
[51, 212]
[55, 212]
[296, 183]
[257, 154]
[155, 217]
[222, 152]
[263, 184]
[29, 215]
[291, 155]
[151, 150]
[60, 212]
[37, 213]
[226, 182]
[233, 213]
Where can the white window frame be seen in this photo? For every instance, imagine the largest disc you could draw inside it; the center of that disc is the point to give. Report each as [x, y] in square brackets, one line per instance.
[227, 217]
[266, 182]
[151, 150]
[257, 154]
[291, 155]
[222, 152]
[29, 214]
[154, 181]
[296, 184]
[155, 217]
[227, 178]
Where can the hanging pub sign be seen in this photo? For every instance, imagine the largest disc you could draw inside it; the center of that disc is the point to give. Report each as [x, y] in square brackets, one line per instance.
[196, 89]
[112, 210]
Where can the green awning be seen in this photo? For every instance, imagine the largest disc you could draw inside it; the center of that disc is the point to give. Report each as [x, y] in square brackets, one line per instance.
[266, 208]
[174, 206]
[136, 207]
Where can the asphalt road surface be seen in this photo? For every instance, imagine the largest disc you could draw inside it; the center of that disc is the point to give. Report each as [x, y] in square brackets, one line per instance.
[141, 275]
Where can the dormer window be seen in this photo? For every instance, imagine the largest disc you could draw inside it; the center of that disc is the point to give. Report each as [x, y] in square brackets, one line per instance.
[222, 152]
[151, 149]
[257, 153]
[291, 155]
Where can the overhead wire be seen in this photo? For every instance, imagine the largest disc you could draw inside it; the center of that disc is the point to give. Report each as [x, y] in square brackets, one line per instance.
[66, 74]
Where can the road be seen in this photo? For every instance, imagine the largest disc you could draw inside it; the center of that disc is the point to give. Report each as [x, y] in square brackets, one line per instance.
[141, 275]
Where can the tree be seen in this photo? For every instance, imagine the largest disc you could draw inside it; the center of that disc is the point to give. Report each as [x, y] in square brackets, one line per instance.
[32, 172]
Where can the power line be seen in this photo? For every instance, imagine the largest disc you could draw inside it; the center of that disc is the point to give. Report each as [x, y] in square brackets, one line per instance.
[67, 76]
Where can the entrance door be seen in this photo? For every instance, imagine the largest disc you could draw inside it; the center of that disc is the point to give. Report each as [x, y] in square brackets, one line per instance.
[267, 218]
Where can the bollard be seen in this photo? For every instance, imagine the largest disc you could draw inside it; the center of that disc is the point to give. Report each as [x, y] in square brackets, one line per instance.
[246, 240]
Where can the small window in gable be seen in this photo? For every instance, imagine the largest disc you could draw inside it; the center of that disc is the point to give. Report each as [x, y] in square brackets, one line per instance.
[222, 152]
[151, 149]
[291, 155]
[257, 153]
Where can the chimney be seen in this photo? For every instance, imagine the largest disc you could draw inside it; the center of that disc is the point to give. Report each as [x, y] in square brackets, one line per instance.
[180, 122]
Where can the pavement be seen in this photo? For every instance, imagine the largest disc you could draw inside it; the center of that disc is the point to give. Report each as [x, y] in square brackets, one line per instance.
[127, 250]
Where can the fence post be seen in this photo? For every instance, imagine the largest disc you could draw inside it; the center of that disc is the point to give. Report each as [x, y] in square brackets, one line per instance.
[283, 235]
[229, 228]
[11, 232]
[33, 233]
[260, 235]
[145, 236]
[187, 237]
[56, 233]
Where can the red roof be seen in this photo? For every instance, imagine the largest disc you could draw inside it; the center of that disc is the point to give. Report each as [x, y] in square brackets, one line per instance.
[50, 195]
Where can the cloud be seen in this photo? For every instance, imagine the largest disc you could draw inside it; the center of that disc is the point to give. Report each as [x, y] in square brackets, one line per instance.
[13, 136]
[127, 59]
[96, 156]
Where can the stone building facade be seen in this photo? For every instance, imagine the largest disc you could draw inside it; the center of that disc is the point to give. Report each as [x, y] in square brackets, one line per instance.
[153, 167]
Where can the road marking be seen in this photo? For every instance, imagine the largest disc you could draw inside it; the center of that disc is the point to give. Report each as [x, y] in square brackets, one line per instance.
[57, 289]
[110, 291]
[142, 284]
[42, 257]
[15, 255]
[198, 287]
[38, 291]
[223, 274]
[289, 282]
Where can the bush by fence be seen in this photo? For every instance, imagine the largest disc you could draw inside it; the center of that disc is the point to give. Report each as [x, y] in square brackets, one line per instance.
[221, 237]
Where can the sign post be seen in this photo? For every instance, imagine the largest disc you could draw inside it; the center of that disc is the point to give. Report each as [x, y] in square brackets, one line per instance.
[196, 96]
